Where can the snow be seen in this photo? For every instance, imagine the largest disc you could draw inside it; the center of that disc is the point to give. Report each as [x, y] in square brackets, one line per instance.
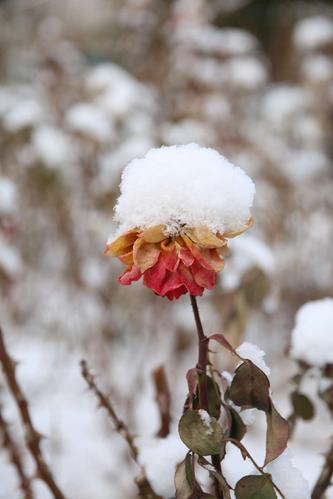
[281, 102]
[288, 478]
[89, 120]
[245, 253]
[255, 354]
[23, 114]
[182, 186]
[228, 41]
[10, 259]
[317, 68]
[206, 419]
[312, 338]
[247, 73]
[8, 196]
[160, 456]
[52, 146]
[313, 32]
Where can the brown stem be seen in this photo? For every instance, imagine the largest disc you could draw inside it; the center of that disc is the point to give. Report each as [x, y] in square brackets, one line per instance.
[246, 453]
[142, 482]
[32, 437]
[324, 480]
[15, 457]
[104, 402]
[202, 365]
[202, 357]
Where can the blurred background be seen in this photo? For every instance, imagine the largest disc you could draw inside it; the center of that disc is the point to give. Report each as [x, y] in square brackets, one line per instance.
[86, 86]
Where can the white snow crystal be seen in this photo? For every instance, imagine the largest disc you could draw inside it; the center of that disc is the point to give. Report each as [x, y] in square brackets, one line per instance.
[181, 186]
[312, 337]
[206, 419]
[160, 456]
[313, 32]
[7, 196]
[288, 478]
[252, 352]
[91, 121]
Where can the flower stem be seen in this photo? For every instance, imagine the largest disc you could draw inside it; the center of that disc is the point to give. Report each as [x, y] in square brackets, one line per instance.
[202, 365]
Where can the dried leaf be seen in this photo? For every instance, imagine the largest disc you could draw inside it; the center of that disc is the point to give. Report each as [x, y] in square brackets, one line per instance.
[184, 479]
[303, 407]
[214, 398]
[277, 434]
[255, 487]
[220, 338]
[238, 428]
[202, 437]
[250, 387]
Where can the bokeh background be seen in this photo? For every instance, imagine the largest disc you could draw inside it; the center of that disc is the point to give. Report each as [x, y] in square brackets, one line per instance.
[86, 86]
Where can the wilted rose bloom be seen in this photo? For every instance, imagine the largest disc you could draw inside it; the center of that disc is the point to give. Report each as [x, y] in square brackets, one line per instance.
[177, 207]
[172, 266]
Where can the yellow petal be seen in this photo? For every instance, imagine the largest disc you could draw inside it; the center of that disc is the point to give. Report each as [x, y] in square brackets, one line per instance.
[145, 254]
[122, 244]
[234, 233]
[204, 237]
[154, 234]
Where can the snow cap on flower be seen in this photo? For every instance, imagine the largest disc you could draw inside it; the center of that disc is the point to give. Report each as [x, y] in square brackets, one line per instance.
[185, 185]
[312, 336]
[177, 207]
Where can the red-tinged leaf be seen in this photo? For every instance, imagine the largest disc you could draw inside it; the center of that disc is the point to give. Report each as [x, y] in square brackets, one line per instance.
[255, 487]
[277, 434]
[202, 437]
[221, 339]
[192, 382]
[250, 387]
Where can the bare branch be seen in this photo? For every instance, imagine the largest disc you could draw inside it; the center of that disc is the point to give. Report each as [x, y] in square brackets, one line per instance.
[15, 457]
[325, 477]
[32, 437]
[106, 404]
[162, 395]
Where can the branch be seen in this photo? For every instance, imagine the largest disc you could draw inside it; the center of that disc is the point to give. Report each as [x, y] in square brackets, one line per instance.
[245, 453]
[104, 402]
[32, 437]
[202, 364]
[15, 458]
[145, 489]
[324, 480]
[163, 399]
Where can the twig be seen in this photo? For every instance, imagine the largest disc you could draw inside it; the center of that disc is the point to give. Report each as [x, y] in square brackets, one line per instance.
[145, 489]
[15, 457]
[32, 437]
[246, 453]
[163, 399]
[104, 402]
[325, 477]
[202, 364]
